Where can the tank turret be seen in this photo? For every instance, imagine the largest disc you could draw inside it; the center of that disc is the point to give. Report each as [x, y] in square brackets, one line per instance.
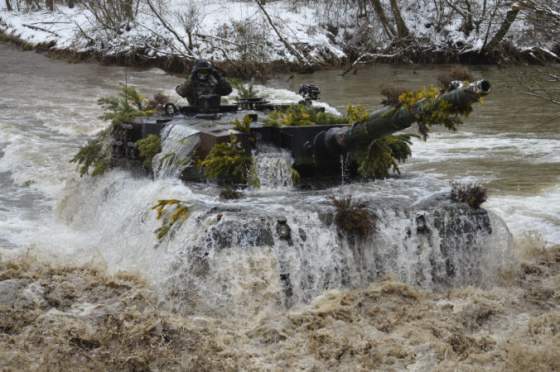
[317, 149]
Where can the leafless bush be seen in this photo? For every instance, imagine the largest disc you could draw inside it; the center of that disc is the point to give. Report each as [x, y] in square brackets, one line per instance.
[27, 5]
[190, 19]
[245, 38]
[112, 15]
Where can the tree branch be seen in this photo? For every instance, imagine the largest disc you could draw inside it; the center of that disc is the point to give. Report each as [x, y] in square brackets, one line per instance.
[288, 46]
[511, 15]
[170, 29]
[387, 27]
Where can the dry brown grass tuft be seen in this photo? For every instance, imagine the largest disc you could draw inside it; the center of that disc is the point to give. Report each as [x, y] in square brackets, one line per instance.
[523, 357]
[353, 218]
[472, 194]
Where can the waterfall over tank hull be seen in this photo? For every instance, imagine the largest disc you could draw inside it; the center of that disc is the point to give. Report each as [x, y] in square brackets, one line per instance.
[237, 253]
[286, 249]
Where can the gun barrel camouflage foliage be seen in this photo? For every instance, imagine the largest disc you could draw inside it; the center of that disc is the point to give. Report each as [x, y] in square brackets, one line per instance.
[389, 120]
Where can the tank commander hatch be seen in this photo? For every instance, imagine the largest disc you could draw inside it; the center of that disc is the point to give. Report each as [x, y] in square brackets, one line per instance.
[204, 88]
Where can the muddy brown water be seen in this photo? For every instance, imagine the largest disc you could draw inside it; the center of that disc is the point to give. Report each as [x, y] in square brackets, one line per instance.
[511, 142]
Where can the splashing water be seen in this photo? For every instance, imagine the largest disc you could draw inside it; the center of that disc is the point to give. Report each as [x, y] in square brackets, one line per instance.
[228, 256]
[178, 145]
[247, 260]
[273, 168]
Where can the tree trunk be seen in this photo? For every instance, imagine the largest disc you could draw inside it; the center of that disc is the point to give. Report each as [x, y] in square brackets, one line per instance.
[70, 3]
[504, 28]
[387, 27]
[468, 26]
[8, 6]
[402, 30]
[128, 9]
[50, 5]
[288, 46]
[168, 27]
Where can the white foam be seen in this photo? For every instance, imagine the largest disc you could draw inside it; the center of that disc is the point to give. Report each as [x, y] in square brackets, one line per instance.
[538, 213]
[446, 146]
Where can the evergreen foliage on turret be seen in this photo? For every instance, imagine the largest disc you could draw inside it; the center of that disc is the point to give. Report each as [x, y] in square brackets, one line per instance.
[125, 107]
[148, 148]
[228, 163]
[128, 105]
[302, 115]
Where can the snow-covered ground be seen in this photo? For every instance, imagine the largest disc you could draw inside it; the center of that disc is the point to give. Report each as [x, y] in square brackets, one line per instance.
[221, 30]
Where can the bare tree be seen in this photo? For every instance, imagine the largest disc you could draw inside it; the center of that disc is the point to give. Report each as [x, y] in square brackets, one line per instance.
[158, 12]
[190, 19]
[402, 29]
[380, 12]
[296, 53]
[111, 15]
[510, 17]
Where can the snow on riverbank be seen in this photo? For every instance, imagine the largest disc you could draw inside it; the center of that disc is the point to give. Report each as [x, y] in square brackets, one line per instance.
[290, 32]
[222, 31]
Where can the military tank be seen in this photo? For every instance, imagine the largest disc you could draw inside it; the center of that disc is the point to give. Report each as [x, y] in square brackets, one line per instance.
[316, 149]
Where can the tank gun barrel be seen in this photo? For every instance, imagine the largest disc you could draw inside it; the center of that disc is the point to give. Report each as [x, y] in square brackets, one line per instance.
[388, 120]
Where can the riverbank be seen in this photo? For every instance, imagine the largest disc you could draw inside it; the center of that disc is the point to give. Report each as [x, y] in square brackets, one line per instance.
[55, 317]
[251, 42]
[239, 43]
[170, 64]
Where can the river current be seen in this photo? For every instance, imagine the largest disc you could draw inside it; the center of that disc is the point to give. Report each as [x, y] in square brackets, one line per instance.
[48, 110]
[510, 143]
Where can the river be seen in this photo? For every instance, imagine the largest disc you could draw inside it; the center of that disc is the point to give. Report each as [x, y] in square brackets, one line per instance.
[226, 270]
[48, 109]
[510, 143]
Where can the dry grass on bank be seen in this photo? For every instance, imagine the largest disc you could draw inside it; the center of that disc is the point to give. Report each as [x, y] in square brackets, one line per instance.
[82, 319]
[77, 319]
